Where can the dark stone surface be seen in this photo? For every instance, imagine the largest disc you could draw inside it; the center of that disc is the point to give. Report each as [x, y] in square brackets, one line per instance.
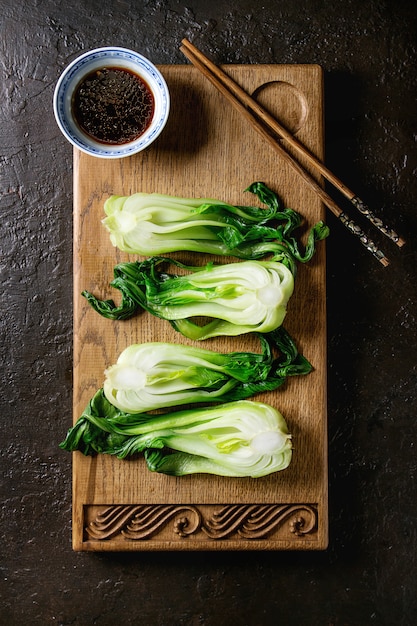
[368, 574]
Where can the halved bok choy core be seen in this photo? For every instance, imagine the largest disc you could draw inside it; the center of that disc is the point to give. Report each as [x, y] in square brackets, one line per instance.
[237, 439]
[152, 224]
[157, 375]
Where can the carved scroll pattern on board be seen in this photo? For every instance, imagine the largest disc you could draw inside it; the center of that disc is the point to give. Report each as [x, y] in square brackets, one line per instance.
[228, 522]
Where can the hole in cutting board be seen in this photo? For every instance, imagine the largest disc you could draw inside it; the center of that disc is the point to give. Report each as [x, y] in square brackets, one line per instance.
[285, 102]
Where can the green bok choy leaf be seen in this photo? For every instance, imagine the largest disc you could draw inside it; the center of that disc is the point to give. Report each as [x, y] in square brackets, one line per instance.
[157, 375]
[236, 439]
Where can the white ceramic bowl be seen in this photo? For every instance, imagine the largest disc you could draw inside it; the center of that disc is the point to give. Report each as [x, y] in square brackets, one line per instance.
[109, 57]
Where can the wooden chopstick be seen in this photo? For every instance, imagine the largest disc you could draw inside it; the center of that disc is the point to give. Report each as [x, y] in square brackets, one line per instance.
[264, 123]
[276, 127]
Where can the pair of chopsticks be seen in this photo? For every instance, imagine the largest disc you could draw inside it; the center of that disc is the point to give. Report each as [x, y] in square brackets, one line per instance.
[269, 128]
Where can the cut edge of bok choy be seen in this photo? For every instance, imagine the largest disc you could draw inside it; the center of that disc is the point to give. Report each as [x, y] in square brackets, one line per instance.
[236, 439]
[157, 375]
[152, 224]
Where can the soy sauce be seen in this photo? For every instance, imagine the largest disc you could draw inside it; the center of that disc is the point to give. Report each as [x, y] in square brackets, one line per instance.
[113, 105]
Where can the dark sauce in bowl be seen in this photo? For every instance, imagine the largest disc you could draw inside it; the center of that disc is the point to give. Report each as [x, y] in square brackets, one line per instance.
[113, 105]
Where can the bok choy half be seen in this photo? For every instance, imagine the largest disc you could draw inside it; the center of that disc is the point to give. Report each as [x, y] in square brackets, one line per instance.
[243, 297]
[157, 375]
[150, 224]
[236, 439]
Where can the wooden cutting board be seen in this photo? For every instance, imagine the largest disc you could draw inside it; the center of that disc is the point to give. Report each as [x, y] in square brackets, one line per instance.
[206, 150]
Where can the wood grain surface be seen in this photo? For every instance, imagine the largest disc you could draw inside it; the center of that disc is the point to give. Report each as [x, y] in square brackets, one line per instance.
[206, 150]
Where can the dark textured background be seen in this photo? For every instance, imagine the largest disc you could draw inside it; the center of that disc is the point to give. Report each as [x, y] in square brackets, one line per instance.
[368, 574]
